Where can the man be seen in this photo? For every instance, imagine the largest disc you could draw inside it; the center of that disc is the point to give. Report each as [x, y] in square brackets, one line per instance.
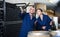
[28, 22]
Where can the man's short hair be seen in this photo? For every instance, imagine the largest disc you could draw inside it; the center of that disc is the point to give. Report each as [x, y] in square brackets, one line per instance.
[32, 6]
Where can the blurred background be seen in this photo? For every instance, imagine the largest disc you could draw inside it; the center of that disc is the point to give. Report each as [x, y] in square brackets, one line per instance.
[10, 22]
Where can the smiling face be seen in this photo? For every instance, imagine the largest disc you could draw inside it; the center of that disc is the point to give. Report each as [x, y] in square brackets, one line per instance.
[39, 12]
[32, 10]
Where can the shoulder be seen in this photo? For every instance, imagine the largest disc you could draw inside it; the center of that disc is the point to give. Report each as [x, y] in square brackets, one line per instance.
[45, 15]
[26, 14]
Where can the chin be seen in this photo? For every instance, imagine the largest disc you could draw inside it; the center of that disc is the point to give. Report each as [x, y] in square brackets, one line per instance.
[32, 13]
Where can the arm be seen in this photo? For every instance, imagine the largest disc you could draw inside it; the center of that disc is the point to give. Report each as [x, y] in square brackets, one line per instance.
[49, 20]
[22, 13]
[48, 23]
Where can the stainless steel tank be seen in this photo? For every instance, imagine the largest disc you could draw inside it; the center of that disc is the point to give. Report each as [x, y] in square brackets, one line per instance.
[38, 34]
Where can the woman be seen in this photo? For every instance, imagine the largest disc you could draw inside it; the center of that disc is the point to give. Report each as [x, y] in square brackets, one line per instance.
[43, 21]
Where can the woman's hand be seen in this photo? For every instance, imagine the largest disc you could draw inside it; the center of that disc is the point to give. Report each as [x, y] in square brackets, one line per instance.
[35, 22]
[51, 22]
[43, 27]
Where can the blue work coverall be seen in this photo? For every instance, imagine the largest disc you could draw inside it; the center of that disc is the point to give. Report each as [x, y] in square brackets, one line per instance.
[27, 24]
[45, 22]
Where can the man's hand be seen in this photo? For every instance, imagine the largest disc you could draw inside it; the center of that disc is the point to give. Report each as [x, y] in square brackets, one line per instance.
[44, 27]
[21, 10]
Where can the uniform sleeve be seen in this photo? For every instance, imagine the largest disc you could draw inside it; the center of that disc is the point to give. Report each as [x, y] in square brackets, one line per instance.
[22, 15]
[34, 19]
[48, 23]
[49, 19]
